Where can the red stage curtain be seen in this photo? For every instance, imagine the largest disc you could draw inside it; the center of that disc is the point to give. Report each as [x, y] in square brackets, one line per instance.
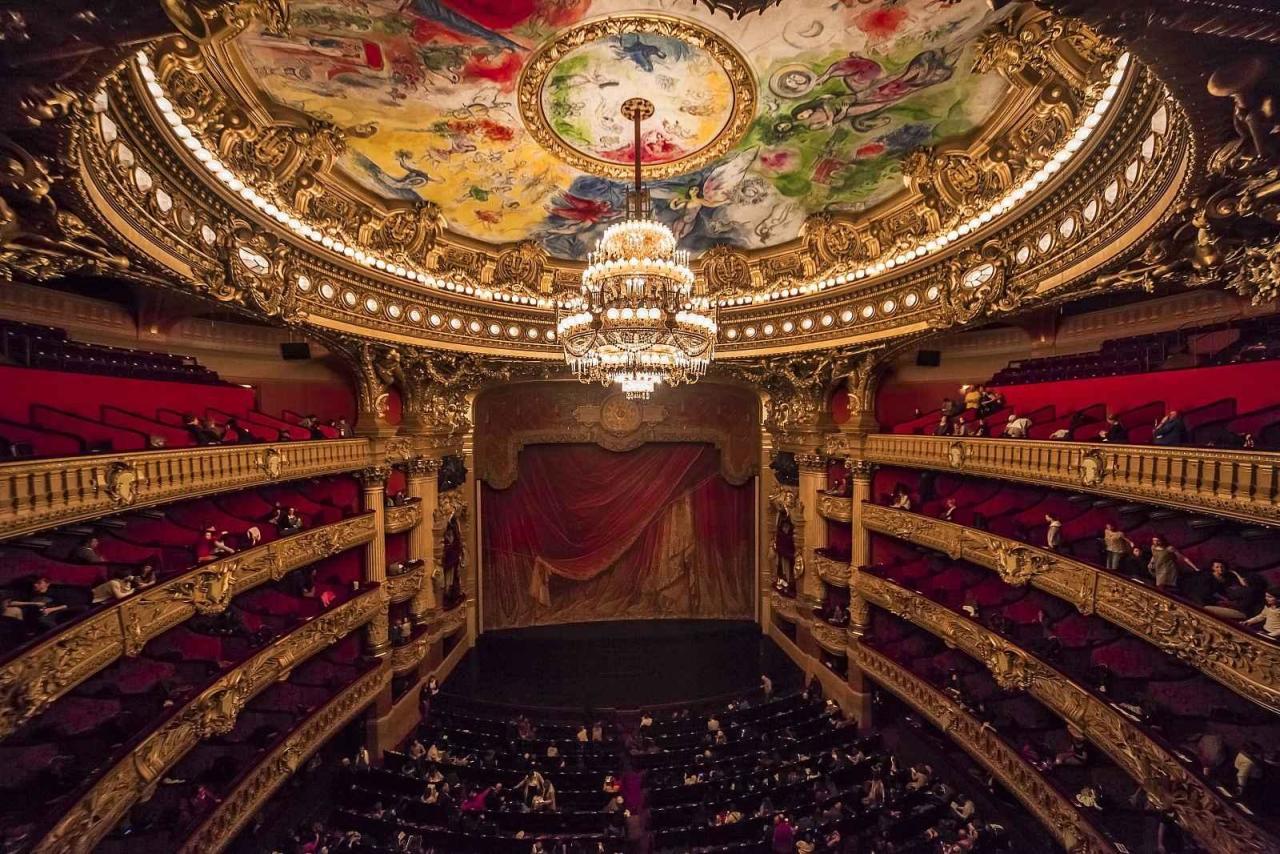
[589, 534]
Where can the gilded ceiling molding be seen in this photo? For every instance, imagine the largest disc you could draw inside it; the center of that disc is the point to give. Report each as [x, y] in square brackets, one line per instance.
[473, 299]
[31, 682]
[211, 713]
[1242, 661]
[1242, 485]
[73, 489]
[1209, 817]
[1069, 825]
[255, 788]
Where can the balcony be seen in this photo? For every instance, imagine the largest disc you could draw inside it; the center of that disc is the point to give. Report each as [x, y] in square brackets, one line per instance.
[1243, 661]
[402, 517]
[211, 712]
[406, 657]
[261, 782]
[836, 508]
[402, 586]
[1067, 823]
[37, 677]
[831, 569]
[51, 492]
[1238, 484]
[1211, 819]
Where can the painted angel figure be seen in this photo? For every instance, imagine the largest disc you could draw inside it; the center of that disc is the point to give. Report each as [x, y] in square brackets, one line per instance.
[715, 190]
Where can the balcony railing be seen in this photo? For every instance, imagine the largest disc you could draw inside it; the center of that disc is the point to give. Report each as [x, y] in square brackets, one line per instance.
[46, 493]
[832, 570]
[402, 585]
[1067, 823]
[37, 677]
[402, 517]
[1242, 661]
[407, 656]
[210, 713]
[837, 508]
[1212, 819]
[261, 782]
[1238, 484]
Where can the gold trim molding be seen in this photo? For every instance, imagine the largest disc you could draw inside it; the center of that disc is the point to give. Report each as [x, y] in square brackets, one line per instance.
[1068, 824]
[51, 492]
[402, 586]
[211, 713]
[218, 830]
[734, 65]
[1242, 661]
[402, 517]
[30, 683]
[1241, 485]
[835, 507]
[832, 571]
[1212, 819]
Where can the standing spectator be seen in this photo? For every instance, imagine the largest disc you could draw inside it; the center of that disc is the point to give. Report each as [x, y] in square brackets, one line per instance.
[1116, 544]
[972, 396]
[1170, 430]
[950, 408]
[291, 523]
[1053, 535]
[1164, 564]
[949, 511]
[944, 426]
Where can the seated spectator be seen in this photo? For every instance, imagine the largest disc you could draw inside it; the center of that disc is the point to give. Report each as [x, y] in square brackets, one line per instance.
[87, 552]
[950, 408]
[1115, 433]
[197, 431]
[1238, 601]
[41, 608]
[283, 435]
[1017, 426]
[340, 425]
[1170, 430]
[212, 431]
[1115, 544]
[963, 807]
[944, 426]
[1269, 617]
[901, 499]
[1135, 562]
[991, 401]
[291, 523]
[113, 589]
[312, 424]
[241, 433]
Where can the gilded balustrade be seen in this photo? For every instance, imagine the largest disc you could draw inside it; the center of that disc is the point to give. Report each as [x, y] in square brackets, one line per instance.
[1067, 823]
[46, 493]
[402, 586]
[211, 713]
[837, 508]
[32, 681]
[1242, 661]
[1239, 484]
[255, 788]
[402, 517]
[1211, 818]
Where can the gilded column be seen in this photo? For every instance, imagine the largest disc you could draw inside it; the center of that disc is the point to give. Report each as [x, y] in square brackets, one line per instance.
[860, 472]
[813, 480]
[422, 485]
[374, 481]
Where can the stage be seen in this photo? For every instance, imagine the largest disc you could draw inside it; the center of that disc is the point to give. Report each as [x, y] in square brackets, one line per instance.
[620, 664]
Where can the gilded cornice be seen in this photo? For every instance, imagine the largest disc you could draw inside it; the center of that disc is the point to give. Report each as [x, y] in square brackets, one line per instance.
[50, 492]
[809, 295]
[1207, 815]
[402, 586]
[1067, 823]
[30, 683]
[1242, 661]
[265, 778]
[1242, 485]
[403, 517]
[210, 713]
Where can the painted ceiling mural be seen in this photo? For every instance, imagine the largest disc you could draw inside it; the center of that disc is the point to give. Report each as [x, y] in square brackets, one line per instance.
[428, 89]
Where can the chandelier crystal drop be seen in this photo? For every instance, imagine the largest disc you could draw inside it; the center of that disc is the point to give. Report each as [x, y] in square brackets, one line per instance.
[639, 320]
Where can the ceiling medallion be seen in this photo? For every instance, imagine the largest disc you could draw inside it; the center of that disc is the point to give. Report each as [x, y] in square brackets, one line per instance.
[572, 88]
[638, 321]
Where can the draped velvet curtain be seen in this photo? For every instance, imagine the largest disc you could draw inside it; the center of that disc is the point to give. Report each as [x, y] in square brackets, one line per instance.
[589, 534]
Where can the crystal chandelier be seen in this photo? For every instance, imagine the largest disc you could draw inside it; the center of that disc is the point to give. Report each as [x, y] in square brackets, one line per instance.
[639, 320]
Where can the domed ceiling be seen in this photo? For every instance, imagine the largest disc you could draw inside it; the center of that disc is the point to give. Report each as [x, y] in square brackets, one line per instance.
[505, 113]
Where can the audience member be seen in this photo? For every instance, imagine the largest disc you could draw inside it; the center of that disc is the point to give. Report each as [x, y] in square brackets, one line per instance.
[1170, 430]
[87, 552]
[1269, 617]
[1017, 426]
[1115, 433]
[1115, 544]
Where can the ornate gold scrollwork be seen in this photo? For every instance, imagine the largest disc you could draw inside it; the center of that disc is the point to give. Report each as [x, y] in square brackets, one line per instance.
[120, 481]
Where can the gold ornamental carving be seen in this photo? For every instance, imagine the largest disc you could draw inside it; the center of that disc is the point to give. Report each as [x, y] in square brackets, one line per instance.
[272, 462]
[402, 517]
[120, 481]
[735, 66]
[833, 571]
[1093, 468]
[1064, 820]
[211, 712]
[402, 586]
[620, 416]
[1242, 661]
[1208, 816]
[33, 681]
[836, 508]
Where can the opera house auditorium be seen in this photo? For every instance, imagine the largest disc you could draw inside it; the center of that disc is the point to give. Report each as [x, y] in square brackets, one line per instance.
[639, 426]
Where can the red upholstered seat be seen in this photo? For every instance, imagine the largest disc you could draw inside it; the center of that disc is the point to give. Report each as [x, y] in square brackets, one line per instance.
[139, 675]
[74, 715]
